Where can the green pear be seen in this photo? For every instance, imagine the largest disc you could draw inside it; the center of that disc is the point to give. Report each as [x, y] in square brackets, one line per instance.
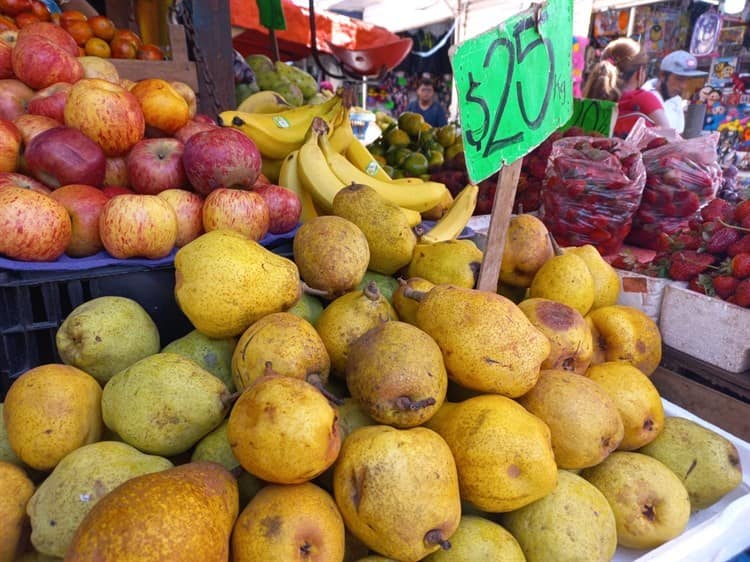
[479, 539]
[78, 482]
[214, 355]
[456, 262]
[104, 335]
[259, 63]
[6, 451]
[307, 85]
[307, 307]
[289, 91]
[386, 283]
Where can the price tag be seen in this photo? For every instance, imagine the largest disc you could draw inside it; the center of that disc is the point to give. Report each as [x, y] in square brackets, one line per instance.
[514, 85]
[593, 116]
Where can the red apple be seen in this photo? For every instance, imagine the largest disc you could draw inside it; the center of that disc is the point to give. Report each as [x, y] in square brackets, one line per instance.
[106, 113]
[203, 118]
[50, 101]
[284, 207]
[31, 125]
[116, 172]
[6, 54]
[15, 7]
[33, 227]
[192, 127]
[53, 33]
[221, 157]
[114, 190]
[155, 165]
[14, 97]
[9, 179]
[243, 211]
[138, 226]
[64, 155]
[39, 60]
[10, 146]
[188, 207]
[84, 204]
[262, 180]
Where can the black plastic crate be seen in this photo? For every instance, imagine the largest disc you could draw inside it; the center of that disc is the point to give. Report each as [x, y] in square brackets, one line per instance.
[33, 305]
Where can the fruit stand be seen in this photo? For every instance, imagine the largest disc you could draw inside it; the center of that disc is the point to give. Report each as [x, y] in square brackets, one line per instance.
[246, 335]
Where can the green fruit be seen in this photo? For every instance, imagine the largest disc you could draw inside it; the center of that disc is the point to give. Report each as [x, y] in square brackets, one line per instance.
[427, 136]
[415, 164]
[244, 91]
[395, 155]
[434, 146]
[306, 83]
[435, 160]
[397, 137]
[397, 174]
[290, 91]
[214, 355]
[376, 149]
[387, 285]
[307, 307]
[390, 170]
[453, 150]
[411, 123]
[267, 79]
[259, 63]
[446, 135]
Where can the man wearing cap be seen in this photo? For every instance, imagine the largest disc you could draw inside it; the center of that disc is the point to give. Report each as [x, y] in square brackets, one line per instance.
[676, 70]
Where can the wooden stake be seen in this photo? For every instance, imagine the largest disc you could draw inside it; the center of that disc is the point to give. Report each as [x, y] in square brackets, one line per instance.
[502, 208]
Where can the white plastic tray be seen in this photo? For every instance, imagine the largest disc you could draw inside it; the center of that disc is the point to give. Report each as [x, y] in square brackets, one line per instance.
[714, 534]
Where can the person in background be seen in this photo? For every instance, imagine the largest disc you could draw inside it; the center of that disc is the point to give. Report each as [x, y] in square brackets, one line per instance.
[427, 106]
[618, 77]
[676, 69]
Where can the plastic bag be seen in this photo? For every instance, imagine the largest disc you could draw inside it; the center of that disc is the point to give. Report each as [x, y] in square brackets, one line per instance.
[681, 177]
[591, 191]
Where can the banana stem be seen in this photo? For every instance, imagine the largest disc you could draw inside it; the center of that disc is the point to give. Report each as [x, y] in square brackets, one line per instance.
[413, 294]
[371, 291]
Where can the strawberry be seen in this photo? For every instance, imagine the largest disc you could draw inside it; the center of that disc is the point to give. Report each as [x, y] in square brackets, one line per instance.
[719, 241]
[725, 285]
[738, 266]
[686, 264]
[741, 211]
[687, 240]
[742, 294]
[698, 285]
[742, 246]
[717, 209]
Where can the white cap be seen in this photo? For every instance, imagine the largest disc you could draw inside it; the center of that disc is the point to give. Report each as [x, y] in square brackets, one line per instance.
[681, 63]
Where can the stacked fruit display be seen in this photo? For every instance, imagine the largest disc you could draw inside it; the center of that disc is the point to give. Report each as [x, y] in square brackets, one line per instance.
[293, 84]
[437, 420]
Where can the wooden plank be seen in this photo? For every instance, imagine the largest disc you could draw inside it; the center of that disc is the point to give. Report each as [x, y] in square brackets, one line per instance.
[166, 70]
[737, 383]
[720, 409]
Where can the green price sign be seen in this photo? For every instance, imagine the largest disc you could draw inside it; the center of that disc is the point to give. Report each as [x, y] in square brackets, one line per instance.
[593, 116]
[514, 85]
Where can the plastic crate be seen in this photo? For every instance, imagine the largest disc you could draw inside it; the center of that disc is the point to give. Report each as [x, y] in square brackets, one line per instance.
[33, 305]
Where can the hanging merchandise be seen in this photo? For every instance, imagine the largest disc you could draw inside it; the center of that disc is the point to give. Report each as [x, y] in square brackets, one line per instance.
[706, 34]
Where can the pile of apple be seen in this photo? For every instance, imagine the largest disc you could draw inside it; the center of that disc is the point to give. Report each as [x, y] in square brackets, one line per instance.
[91, 162]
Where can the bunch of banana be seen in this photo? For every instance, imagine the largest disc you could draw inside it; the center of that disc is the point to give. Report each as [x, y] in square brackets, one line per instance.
[452, 223]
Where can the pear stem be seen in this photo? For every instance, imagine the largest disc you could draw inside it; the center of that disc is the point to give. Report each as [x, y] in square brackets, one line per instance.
[405, 403]
[371, 291]
[413, 294]
[237, 471]
[317, 381]
[435, 536]
[419, 230]
[555, 246]
[227, 399]
[308, 290]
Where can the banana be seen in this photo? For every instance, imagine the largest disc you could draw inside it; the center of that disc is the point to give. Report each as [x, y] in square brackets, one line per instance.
[413, 217]
[415, 197]
[455, 220]
[270, 168]
[343, 135]
[266, 101]
[278, 134]
[358, 155]
[315, 174]
[408, 181]
[289, 178]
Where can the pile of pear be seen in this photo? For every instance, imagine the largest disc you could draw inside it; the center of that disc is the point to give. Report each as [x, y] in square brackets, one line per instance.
[359, 402]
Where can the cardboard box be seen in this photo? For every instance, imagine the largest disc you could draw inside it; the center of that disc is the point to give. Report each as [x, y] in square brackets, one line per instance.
[643, 292]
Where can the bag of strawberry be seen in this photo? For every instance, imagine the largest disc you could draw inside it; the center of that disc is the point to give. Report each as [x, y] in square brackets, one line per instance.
[591, 191]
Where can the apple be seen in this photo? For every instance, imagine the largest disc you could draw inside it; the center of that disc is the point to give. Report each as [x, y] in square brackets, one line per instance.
[65, 155]
[41, 59]
[127, 84]
[33, 227]
[6, 54]
[245, 212]
[284, 207]
[12, 179]
[50, 101]
[14, 97]
[188, 207]
[221, 157]
[262, 180]
[203, 118]
[97, 67]
[189, 94]
[116, 172]
[115, 190]
[84, 204]
[10, 146]
[138, 226]
[53, 33]
[155, 165]
[192, 127]
[163, 106]
[31, 125]
[106, 113]
[15, 7]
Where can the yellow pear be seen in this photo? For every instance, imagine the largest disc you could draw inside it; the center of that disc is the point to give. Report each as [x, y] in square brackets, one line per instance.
[185, 513]
[636, 399]
[479, 539]
[453, 261]
[6, 451]
[224, 282]
[50, 411]
[566, 279]
[15, 491]
[583, 420]
[503, 453]
[406, 307]
[290, 522]
[606, 281]
[527, 248]
[568, 333]
[623, 333]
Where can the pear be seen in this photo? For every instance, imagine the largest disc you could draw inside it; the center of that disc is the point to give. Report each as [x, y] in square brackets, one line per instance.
[214, 355]
[15, 490]
[453, 261]
[384, 224]
[566, 279]
[78, 482]
[34, 556]
[224, 282]
[6, 451]
[515, 294]
[178, 403]
[406, 307]
[396, 372]
[104, 335]
[488, 344]
[332, 254]
[623, 333]
[283, 430]
[494, 431]
[479, 539]
[375, 558]
[352, 416]
[185, 513]
[568, 333]
[291, 522]
[307, 307]
[397, 490]
[527, 248]
[347, 318]
[289, 343]
[306, 83]
[583, 420]
[606, 280]
[259, 63]
[387, 285]
[573, 522]
[650, 504]
[636, 398]
[707, 463]
[50, 411]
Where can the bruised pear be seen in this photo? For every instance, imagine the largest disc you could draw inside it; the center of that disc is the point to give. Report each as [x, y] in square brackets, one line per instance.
[527, 247]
